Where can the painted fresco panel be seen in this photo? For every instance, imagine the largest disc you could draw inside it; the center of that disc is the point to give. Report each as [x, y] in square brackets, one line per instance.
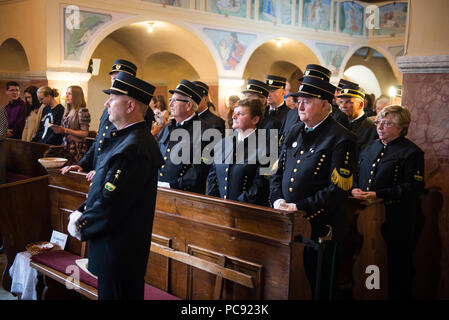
[392, 19]
[236, 8]
[76, 36]
[317, 14]
[333, 55]
[351, 18]
[230, 45]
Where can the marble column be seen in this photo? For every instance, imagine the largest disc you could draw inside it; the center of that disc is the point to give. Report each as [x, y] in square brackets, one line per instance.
[425, 92]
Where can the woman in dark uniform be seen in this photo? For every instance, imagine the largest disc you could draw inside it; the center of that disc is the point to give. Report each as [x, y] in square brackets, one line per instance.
[392, 169]
[235, 173]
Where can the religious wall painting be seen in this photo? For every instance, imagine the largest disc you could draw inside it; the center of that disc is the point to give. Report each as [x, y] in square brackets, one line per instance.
[174, 3]
[333, 55]
[79, 29]
[334, 27]
[392, 19]
[231, 46]
[351, 18]
[317, 14]
[236, 8]
[276, 11]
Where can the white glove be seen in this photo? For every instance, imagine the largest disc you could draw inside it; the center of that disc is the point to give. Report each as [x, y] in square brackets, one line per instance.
[278, 204]
[163, 184]
[290, 207]
[72, 227]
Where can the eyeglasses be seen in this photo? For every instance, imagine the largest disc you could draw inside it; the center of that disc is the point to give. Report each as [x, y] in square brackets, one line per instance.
[176, 100]
[13, 90]
[383, 123]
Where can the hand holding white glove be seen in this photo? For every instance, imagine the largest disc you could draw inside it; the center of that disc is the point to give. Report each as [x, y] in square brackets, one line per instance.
[290, 207]
[163, 184]
[278, 204]
[281, 204]
[72, 227]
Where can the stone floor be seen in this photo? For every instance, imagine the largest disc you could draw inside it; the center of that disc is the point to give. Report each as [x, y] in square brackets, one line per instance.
[4, 295]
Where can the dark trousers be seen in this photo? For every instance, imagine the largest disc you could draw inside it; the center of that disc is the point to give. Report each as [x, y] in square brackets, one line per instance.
[400, 269]
[130, 288]
[329, 270]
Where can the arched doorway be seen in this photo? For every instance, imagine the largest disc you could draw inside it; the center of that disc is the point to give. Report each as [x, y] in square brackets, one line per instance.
[13, 65]
[163, 57]
[371, 70]
[286, 56]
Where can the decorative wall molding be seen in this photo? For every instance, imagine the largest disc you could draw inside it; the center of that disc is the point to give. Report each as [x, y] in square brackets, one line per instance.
[25, 76]
[423, 64]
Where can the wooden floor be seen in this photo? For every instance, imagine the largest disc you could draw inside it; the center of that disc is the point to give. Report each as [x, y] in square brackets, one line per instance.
[4, 295]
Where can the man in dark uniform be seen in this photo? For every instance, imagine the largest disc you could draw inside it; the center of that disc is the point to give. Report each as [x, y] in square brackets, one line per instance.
[276, 110]
[118, 214]
[256, 89]
[312, 70]
[185, 168]
[351, 99]
[314, 173]
[235, 173]
[88, 161]
[204, 113]
[336, 112]
[392, 169]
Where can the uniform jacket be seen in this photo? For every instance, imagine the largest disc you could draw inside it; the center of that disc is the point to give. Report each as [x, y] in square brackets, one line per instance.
[118, 213]
[88, 161]
[213, 121]
[238, 179]
[190, 172]
[315, 171]
[395, 171]
[290, 120]
[365, 130]
[339, 116]
[274, 119]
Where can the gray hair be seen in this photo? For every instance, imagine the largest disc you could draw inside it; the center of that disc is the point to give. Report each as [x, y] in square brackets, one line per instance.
[400, 116]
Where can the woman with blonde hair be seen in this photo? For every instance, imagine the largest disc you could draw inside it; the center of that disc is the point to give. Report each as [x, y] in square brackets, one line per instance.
[51, 116]
[75, 125]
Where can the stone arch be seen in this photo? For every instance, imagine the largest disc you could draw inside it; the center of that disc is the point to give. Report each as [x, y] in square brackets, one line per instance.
[377, 62]
[118, 42]
[291, 52]
[175, 36]
[13, 58]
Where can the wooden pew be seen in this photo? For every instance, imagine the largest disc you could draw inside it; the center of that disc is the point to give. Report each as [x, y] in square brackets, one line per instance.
[21, 157]
[368, 246]
[205, 247]
[24, 216]
[427, 254]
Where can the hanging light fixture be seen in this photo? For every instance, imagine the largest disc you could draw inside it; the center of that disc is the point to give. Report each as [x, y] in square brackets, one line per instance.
[150, 27]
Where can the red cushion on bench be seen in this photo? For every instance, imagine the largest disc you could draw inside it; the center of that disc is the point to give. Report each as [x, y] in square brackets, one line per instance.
[152, 293]
[13, 177]
[60, 260]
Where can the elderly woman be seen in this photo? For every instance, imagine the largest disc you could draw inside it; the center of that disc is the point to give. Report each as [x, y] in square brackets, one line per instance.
[392, 169]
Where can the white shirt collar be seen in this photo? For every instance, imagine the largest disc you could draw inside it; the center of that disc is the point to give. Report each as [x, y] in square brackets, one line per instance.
[361, 115]
[187, 119]
[242, 135]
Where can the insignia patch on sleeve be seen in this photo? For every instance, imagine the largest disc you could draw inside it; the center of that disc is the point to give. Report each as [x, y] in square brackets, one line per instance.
[109, 186]
[342, 178]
